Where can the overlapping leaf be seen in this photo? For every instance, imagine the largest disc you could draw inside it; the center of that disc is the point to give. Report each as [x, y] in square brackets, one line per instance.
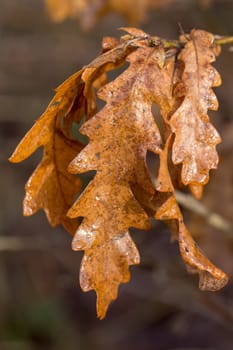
[120, 135]
[211, 278]
[195, 137]
[51, 187]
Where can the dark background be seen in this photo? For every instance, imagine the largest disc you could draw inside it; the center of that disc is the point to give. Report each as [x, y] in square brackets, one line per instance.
[41, 303]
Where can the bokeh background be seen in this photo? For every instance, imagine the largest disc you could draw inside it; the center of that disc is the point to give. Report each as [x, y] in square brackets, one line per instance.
[41, 304]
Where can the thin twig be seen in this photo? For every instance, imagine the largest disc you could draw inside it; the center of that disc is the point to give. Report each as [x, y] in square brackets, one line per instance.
[27, 244]
[219, 40]
[223, 40]
[213, 219]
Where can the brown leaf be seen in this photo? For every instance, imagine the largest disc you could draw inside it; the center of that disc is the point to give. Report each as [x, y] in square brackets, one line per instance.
[195, 136]
[164, 207]
[120, 135]
[50, 187]
[211, 278]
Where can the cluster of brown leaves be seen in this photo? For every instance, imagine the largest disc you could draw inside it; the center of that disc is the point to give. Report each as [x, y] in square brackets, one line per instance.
[90, 11]
[178, 77]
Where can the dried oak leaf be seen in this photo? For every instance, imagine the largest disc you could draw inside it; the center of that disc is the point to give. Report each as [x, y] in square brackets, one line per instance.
[211, 278]
[195, 137]
[120, 135]
[164, 207]
[51, 186]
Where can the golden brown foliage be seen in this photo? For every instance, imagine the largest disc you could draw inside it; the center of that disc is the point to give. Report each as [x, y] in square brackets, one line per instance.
[177, 77]
[90, 11]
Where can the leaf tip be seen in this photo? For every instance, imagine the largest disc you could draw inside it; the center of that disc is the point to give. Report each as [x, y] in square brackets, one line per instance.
[13, 158]
[102, 304]
[207, 282]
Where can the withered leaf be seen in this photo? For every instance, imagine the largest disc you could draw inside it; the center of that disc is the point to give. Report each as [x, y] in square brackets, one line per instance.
[120, 135]
[211, 278]
[195, 137]
[51, 187]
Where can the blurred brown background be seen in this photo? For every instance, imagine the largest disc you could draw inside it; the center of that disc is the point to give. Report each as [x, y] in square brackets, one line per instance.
[41, 304]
